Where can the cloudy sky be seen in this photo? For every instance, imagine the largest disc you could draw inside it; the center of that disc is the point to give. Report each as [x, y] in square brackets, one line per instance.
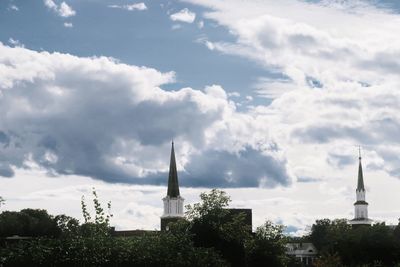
[267, 100]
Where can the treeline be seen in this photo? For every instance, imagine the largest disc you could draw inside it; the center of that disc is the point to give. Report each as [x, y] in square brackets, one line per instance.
[341, 245]
[209, 237]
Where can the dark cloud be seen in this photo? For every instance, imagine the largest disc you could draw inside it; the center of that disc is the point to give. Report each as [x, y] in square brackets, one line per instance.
[340, 160]
[304, 179]
[6, 170]
[313, 82]
[373, 135]
[325, 133]
[95, 117]
[395, 172]
[212, 168]
[247, 168]
[317, 134]
[4, 139]
[83, 145]
[384, 62]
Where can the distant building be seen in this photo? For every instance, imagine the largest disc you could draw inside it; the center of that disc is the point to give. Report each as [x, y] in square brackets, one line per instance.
[360, 206]
[303, 251]
[173, 202]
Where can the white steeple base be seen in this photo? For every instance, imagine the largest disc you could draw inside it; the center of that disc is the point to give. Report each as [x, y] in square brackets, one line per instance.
[173, 211]
[173, 207]
[363, 221]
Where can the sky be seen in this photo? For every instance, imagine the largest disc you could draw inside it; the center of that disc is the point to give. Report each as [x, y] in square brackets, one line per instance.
[266, 100]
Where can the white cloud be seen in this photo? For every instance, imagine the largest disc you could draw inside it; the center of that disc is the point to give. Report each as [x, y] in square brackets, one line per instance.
[66, 11]
[234, 94]
[206, 42]
[335, 86]
[143, 119]
[335, 79]
[15, 42]
[131, 7]
[50, 4]
[249, 98]
[62, 10]
[200, 24]
[68, 25]
[315, 42]
[185, 15]
[176, 26]
[13, 8]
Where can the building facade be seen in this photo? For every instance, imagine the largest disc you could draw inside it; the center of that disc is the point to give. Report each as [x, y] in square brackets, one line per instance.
[304, 252]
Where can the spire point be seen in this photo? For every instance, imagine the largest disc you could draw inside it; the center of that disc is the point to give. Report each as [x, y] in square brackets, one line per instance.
[173, 186]
[360, 180]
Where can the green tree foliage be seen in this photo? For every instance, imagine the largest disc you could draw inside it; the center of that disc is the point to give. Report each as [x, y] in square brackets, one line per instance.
[27, 222]
[212, 205]
[211, 236]
[327, 234]
[92, 244]
[328, 260]
[100, 225]
[2, 201]
[377, 245]
[157, 249]
[267, 246]
[212, 225]
[67, 226]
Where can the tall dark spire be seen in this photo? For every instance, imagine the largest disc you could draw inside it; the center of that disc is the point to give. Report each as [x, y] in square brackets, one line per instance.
[173, 186]
[360, 183]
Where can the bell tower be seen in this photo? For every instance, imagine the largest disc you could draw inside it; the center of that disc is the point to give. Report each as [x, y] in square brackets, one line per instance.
[360, 206]
[173, 202]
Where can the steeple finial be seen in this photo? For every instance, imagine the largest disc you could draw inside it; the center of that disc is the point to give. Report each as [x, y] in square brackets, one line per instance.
[173, 186]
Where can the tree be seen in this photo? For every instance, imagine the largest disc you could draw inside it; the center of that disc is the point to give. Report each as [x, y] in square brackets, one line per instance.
[27, 222]
[91, 244]
[67, 226]
[267, 247]
[378, 244]
[2, 201]
[212, 204]
[100, 225]
[327, 234]
[213, 226]
[328, 260]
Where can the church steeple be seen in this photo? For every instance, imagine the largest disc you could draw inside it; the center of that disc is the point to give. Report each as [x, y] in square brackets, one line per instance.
[360, 206]
[360, 182]
[173, 202]
[173, 185]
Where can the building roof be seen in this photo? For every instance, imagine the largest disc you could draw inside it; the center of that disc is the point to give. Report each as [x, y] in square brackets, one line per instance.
[173, 186]
[301, 249]
[360, 182]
